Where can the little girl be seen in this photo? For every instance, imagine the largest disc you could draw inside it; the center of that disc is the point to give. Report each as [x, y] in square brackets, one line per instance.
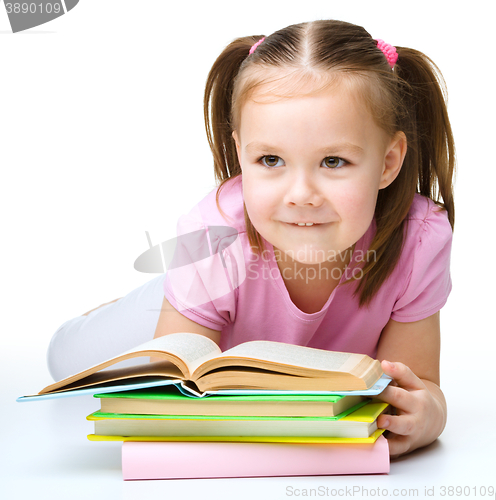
[335, 159]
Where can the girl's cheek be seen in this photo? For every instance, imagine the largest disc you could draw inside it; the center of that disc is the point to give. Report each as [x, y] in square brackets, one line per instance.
[256, 197]
[257, 190]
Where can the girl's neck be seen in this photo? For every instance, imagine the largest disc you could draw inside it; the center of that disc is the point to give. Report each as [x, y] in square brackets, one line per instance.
[310, 285]
[330, 270]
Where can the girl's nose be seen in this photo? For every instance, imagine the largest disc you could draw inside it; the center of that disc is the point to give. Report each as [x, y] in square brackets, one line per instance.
[303, 190]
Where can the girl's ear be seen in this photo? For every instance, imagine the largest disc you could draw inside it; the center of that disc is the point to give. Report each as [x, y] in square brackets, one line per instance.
[238, 147]
[395, 154]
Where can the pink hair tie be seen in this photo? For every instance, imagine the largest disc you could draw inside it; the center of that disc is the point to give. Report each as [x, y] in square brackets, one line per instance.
[255, 45]
[389, 51]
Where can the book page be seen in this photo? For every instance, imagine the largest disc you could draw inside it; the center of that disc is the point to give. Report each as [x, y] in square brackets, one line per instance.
[182, 349]
[156, 369]
[193, 349]
[305, 358]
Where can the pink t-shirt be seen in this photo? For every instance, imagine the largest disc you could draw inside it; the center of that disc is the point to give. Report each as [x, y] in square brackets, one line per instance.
[218, 282]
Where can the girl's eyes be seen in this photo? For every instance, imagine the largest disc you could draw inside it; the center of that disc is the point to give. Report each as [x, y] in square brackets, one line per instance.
[333, 162]
[270, 161]
[330, 162]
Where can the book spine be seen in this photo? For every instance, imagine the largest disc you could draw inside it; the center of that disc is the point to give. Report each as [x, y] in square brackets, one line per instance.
[188, 460]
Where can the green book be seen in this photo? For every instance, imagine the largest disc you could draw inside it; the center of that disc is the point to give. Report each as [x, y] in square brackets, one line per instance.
[167, 401]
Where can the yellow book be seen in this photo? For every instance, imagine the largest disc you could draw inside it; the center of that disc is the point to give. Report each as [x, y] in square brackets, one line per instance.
[362, 423]
[242, 439]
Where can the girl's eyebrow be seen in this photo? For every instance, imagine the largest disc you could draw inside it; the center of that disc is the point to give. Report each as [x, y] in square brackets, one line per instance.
[341, 147]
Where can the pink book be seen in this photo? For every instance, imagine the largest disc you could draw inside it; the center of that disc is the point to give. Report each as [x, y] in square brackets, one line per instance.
[187, 460]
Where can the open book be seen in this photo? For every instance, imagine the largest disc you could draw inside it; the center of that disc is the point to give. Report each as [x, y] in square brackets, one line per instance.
[199, 364]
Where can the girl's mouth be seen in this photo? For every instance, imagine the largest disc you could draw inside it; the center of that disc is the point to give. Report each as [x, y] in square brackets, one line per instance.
[304, 224]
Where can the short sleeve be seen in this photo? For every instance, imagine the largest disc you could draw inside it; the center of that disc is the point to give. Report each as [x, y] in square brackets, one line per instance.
[203, 273]
[429, 281]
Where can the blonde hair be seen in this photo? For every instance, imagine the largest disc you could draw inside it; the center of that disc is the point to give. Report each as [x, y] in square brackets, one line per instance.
[410, 98]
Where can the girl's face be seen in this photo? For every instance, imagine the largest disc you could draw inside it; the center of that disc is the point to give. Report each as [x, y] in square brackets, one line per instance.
[317, 159]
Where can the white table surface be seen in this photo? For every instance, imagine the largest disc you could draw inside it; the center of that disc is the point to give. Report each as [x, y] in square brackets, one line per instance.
[46, 454]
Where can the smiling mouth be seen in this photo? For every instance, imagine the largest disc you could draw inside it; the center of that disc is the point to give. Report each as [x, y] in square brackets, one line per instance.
[304, 224]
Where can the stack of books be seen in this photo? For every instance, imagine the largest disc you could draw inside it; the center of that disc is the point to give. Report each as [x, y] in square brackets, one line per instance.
[259, 409]
[169, 435]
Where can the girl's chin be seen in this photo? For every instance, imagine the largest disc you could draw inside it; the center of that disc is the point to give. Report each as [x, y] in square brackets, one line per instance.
[310, 255]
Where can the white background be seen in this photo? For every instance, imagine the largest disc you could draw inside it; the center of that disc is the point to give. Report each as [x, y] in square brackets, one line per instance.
[102, 138]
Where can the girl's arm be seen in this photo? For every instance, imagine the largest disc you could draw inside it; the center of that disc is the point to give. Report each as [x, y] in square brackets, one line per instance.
[172, 321]
[414, 350]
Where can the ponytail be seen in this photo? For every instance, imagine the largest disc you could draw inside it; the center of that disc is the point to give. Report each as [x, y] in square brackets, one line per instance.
[217, 107]
[435, 149]
[217, 110]
[428, 167]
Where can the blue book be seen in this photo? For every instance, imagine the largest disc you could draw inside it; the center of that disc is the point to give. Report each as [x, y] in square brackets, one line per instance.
[197, 366]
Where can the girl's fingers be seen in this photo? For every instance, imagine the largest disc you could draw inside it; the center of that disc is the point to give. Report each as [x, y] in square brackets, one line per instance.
[400, 428]
[398, 445]
[402, 425]
[402, 375]
[399, 398]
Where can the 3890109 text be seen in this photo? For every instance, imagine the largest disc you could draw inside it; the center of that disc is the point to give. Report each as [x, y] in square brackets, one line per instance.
[466, 491]
[33, 8]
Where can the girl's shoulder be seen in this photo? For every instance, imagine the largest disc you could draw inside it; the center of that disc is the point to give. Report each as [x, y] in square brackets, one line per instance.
[427, 218]
[206, 212]
[423, 207]
[428, 233]
[230, 201]
[422, 276]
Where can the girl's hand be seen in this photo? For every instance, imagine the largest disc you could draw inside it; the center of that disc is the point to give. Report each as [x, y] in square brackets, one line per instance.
[420, 410]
